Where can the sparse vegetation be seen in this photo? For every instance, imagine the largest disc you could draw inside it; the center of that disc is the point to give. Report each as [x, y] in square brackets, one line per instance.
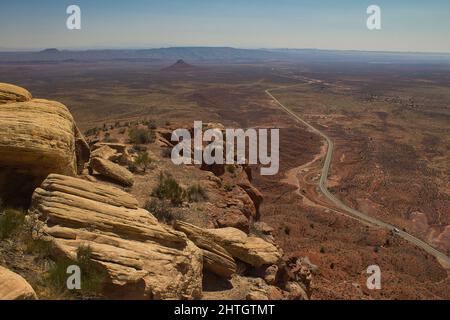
[143, 161]
[231, 169]
[168, 188]
[141, 136]
[92, 132]
[92, 279]
[163, 210]
[151, 124]
[11, 221]
[196, 193]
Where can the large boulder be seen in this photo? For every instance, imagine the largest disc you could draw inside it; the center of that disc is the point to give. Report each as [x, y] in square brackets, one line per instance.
[37, 137]
[14, 287]
[215, 258]
[11, 93]
[142, 258]
[249, 249]
[112, 171]
[104, 152]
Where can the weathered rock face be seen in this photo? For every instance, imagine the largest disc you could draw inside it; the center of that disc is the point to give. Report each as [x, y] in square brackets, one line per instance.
[249, 249]
[37, 137]
[112, 170]
[104, 152]
[215, 258]
[11, 93]
[114, 152]
[14, 287]
[143, 259]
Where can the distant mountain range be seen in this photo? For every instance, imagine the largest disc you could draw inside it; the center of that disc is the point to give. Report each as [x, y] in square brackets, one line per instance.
[199, 55]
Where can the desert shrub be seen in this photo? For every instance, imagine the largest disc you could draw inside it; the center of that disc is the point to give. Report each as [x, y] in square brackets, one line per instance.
[196, 193]
[163, 210]
[141, 136]
[143, 161]
[151, 124]
[122, 130]
[231, 169]
[166, 153]
[132, 167]
[39, 247]
[168, 188]
[92, 132]
[11, 221]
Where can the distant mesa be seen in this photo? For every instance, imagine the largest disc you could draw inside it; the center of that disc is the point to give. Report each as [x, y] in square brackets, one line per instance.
[180, 65]
[50, 50]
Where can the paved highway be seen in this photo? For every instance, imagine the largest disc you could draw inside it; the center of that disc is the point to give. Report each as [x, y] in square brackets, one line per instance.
[441, 257]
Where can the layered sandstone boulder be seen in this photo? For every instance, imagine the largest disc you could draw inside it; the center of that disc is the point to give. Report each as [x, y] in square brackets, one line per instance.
[37, 137]
[115, 152]
[249, 249]
[104, 152]
[11, 93]
[112, 171]
[142, 258]
[215, 258]
[14, 287]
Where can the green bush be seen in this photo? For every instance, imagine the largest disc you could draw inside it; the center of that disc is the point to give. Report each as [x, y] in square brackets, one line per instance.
[168, 188]
[163, 211]
[151, 124]
[230, 169]
[196, 193]
[141, 136]
[10, 222]
[143, 161]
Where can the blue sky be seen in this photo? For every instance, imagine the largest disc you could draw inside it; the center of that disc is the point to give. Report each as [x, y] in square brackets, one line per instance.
[407, 25]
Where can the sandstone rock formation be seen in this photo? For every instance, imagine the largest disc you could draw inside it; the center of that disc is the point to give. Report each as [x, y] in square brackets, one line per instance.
[143, 259]
[249, 249]
[14, 287]
[112, 170]
[11, 93]
[215, 258]
[115, 152]
[37, 137]
[104, 152]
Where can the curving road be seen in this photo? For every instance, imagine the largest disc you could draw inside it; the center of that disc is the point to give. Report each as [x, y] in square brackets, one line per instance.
[441, 257]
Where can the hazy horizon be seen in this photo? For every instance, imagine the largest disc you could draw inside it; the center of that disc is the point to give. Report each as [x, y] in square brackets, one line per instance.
[112, 48]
